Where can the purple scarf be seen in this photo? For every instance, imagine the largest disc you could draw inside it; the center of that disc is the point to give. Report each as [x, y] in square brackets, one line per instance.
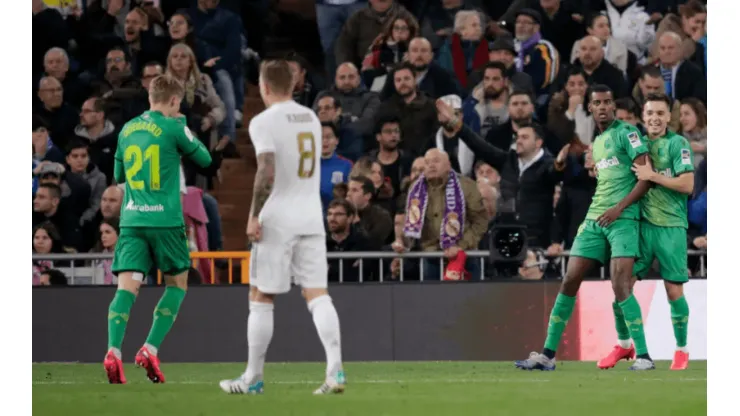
[453, 221]
[524, 48]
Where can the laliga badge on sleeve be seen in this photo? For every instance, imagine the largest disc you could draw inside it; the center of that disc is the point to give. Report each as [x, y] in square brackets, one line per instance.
[685, 157]
[634, 140]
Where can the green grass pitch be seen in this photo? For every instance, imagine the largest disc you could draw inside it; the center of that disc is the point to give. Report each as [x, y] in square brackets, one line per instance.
[377, 389]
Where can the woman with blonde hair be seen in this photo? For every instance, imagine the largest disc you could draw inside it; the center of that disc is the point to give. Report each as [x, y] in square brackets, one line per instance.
[693, 119]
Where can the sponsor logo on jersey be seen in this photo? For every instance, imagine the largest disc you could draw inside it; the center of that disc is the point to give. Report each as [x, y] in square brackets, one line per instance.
[144, 208]
[634, 139]
[685, 156]
[607, 163]
[668, 173]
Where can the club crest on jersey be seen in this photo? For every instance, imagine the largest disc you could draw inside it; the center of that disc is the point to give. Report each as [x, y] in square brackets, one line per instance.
[189, 134]
[685, 156]
[634, 139]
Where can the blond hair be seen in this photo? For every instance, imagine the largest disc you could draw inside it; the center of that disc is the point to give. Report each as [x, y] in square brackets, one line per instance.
[462, 17]
[192, 80]
[164, 87]
[277, 75]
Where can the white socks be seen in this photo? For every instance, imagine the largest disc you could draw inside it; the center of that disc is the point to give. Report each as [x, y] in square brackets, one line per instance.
[327, 325]
[625, 343]
[259, 335]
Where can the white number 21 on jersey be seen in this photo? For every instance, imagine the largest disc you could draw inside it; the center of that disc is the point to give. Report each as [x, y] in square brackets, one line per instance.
[306, 154]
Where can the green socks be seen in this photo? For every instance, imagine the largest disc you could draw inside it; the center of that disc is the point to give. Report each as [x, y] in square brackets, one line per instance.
[623, 334]
[633, 320]
[680, 320]
[165, 315]
[118, 313]
[559, 317]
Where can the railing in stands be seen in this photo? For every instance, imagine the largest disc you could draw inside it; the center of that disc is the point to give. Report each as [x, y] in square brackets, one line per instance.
[244, 256]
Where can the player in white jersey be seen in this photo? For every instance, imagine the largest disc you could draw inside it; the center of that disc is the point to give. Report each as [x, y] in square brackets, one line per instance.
[286, 228]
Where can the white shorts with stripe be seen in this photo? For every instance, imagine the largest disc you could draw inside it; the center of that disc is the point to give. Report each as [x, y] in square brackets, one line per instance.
[279, 259]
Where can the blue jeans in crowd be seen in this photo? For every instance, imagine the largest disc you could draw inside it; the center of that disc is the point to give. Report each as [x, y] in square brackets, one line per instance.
[330, 19]
[215, 238]
[228, 86]
[432, 270]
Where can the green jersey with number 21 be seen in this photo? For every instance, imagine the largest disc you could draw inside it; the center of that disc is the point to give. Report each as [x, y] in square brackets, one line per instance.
[614, 150]
[148, 159]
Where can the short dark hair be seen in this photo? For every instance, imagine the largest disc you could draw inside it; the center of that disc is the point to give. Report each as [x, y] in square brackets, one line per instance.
[126, 56]
[56, 277]
[152, 63]
[496, 65]
[628, 104]
[598, 88]
[539, 132]
[404, 65]
[517, 92]
[99, 103]
[367, 184]
[54, 189]
[293, 56]
[576, 71]
[349, 209]
[591, 18]
[337, 103]
[386, 118]
[332, 126]
[657, 96]
[76, 144]
[651, 71]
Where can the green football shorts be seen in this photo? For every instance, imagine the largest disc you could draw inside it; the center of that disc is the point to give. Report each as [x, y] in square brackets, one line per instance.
[668, 245]
[595, 242]
[138, 249]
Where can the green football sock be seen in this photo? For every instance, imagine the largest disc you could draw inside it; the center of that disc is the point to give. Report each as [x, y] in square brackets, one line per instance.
[623, 334]
[118, 313]
[558, 320]
[165, 314]
[633, 320]
[680, 320]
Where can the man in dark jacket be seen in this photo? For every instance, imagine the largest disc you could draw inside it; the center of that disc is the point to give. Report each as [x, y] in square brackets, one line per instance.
[503, 50]
[528, 174]
[598, 69]
[100, 135]
[59, 116]
[374, 220]
[356, 101]
[521, 112]
[343, 237]
[47, 207]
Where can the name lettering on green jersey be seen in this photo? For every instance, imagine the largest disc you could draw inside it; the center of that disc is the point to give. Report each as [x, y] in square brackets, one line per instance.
[148, 126]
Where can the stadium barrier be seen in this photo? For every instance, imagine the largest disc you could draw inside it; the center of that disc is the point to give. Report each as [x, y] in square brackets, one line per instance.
[430, 321]
[243, 258]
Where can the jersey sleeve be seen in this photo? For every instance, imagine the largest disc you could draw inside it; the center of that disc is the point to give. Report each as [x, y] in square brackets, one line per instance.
[261, 137]
[682, 157]
[119, 175]
[633, 143]
[191, 147]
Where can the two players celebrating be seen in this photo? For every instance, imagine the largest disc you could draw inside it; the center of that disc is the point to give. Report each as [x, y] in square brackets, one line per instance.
[285, 244]
[639, 211]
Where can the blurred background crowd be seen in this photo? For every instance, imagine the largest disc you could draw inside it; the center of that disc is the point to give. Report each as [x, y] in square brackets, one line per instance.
[387, 78]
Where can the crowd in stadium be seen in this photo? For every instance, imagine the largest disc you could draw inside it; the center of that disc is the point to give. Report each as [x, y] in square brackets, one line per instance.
[398, 77]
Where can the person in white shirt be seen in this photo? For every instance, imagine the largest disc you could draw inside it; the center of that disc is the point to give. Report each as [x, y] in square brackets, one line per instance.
[286, 228]
[629, 24]
[615, 51]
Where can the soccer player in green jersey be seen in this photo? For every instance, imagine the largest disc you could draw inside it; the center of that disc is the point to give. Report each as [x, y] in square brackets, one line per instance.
[152, 226]
[611, 229]
[663, 225]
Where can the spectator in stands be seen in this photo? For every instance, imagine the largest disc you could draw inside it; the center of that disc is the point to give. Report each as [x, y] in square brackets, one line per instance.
[78, 162]
[141, 43]
[106, 243]
[487, 105]
[221, 30]
[361, 29]
[388, 49]
[693, 126]
[536, 56]
[598, 70]
[116, 86]
[503, 50]
[690, 26]
[44, 150]
[46, 207]
[329, 109]
[682, 79]
[59, 115]
[632, 25]
[304, 91]
[49, 31]
[466, 49]
[438, 20]
[431, 78]
[650, 82]
[356, 101]
[181, 31]
[394, 162]
[487, 174]
[567, 115]
[110, 203]
[373, 220]
[559, 25]
[56, 64]
[489, 195]
[342, 237]
[615, 51]
[418, 118]
[521, 111]
[53, 277]
[205, 109]
[46, 240]
[628, 111]
[331, 16]
[431, 208]
[446, 140]
[531, 268]
[383, 191]
[579, 185]
[99, 134]
[528, 174]
[334, 168]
